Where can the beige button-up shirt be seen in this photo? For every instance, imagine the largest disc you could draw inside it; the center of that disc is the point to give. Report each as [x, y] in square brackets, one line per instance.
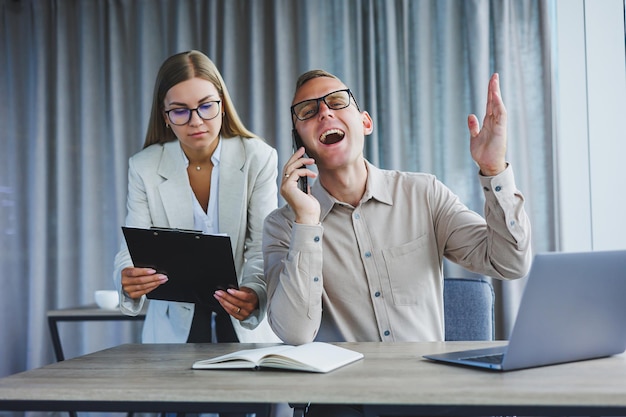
[374, 272]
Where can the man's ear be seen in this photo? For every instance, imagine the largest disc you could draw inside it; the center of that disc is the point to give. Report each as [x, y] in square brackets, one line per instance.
[368, 123]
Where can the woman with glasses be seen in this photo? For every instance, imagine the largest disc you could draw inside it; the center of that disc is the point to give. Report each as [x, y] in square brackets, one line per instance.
[200, 169]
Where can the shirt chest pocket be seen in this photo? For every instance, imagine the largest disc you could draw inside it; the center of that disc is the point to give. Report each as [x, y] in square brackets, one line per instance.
[408, 267]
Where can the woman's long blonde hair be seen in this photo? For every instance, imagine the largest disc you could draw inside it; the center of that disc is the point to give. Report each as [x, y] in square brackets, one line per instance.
[181, 67]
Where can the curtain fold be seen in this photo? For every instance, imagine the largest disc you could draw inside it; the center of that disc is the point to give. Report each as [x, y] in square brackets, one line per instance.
[76, 79]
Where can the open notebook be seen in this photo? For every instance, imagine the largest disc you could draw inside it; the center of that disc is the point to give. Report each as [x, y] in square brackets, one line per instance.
[311, 357]
[573, 308]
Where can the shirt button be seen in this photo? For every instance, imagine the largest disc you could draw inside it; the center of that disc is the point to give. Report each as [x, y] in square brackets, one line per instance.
[377, 294]
[357, 216]
[387, 333]
[498, 188]
[316, 279]
[368, 254]
[512, 222]
[316, 238]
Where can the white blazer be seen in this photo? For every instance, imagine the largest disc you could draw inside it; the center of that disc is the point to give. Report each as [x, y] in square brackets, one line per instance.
[159, 194]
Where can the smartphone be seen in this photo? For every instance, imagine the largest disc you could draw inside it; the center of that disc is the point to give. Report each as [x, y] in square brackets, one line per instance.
[303, 183]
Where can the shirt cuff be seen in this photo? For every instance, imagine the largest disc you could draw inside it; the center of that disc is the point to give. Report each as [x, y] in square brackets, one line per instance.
[306, 237]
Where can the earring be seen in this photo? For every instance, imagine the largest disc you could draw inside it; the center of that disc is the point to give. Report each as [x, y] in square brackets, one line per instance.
[167, 125]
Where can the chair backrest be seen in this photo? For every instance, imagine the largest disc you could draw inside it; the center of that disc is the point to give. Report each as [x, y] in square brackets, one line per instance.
[469, 309]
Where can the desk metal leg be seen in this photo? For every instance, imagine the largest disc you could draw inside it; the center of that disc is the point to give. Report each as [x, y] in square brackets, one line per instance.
[299, 409]
[58, 349]
[81, 314]
[56, 340]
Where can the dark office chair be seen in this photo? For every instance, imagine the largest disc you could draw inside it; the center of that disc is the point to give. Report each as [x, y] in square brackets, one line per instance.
[468, 309]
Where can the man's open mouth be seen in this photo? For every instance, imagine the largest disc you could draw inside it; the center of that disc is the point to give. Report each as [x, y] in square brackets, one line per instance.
[332, 136]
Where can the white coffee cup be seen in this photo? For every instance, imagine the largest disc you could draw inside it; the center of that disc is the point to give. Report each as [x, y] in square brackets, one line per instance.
[107, 299]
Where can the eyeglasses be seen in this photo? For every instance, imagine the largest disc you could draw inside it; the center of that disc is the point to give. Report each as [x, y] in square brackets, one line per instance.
[182, 115]
[336, 100]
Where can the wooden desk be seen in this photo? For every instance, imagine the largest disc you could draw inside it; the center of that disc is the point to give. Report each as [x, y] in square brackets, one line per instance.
[83, 313]
[392, 378]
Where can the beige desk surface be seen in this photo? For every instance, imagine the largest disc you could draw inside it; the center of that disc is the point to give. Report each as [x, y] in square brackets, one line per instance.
[159, 378]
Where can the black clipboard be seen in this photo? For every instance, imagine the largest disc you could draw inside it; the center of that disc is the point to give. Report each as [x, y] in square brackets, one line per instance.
[196, 264]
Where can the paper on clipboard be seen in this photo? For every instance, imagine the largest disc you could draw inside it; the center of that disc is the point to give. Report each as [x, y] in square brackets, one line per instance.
[196, 264]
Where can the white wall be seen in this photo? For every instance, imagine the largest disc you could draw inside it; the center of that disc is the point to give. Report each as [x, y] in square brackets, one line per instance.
[591, 123]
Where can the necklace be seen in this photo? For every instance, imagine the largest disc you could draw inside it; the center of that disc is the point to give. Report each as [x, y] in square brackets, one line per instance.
[199, 165]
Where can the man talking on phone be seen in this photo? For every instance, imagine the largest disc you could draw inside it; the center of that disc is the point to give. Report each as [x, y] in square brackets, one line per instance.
[359, 257]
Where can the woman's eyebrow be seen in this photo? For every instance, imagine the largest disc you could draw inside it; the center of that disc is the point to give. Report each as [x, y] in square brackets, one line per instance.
[205, 98]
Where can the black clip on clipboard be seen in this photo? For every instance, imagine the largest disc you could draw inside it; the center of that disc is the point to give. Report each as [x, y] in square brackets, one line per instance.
[196, 264]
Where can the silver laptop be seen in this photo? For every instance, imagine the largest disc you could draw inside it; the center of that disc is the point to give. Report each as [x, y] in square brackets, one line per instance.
[573, 308]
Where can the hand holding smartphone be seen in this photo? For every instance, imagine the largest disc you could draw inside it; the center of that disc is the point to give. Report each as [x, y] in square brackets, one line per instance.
[303, 183]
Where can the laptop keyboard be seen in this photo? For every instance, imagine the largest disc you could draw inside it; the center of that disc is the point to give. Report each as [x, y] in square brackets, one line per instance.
[496, 359]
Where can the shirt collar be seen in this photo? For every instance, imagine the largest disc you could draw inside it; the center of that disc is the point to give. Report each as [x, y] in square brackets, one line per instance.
[215, 158]
[376, 188]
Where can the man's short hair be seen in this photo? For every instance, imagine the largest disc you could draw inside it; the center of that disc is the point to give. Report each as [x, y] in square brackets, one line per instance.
[309, 75]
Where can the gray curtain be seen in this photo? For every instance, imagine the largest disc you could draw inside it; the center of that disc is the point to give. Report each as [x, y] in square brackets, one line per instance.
[76, 80]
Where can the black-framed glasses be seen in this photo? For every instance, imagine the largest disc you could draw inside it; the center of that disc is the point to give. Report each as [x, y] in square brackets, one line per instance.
[182, 115]
[335, 100]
